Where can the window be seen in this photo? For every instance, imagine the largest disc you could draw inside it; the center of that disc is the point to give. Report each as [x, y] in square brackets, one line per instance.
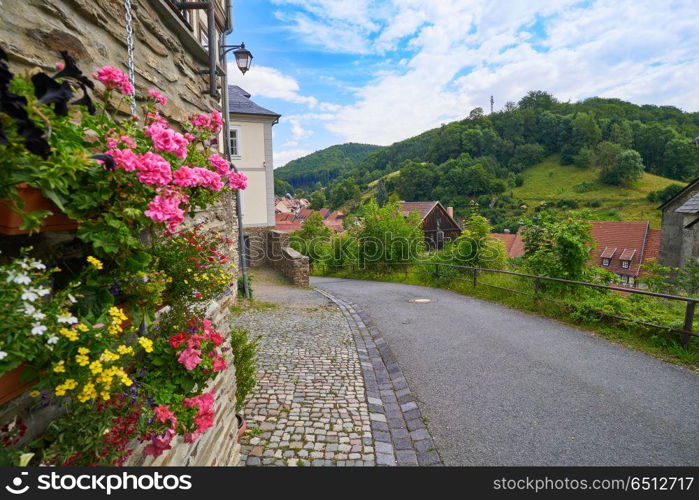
[204, 39]
[605, 262]
[625, 279]
[625, 264]
[235, 141]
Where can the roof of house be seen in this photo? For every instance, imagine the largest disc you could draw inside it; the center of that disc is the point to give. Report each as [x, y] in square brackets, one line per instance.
[424, 208]
[507, 239]
[239, 102]
[688, 187]
[631, 241]
[691, 206]
[514, 244]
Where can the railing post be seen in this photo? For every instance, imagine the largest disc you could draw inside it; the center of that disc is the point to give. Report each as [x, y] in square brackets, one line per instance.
[537, 285]
[688, 322]
[475, 277]
[436, 271]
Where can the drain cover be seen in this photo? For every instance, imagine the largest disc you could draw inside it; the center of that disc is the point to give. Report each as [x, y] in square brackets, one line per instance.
[420, 301]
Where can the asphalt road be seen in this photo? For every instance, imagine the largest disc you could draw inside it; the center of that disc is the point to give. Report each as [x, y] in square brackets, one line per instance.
[502, 387]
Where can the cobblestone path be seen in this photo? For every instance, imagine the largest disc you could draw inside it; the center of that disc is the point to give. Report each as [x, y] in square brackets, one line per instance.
[329, 391]
[310, 405]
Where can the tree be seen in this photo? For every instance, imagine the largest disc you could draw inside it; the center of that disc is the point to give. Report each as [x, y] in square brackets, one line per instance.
[557, 247]
[415, 181]
[538, 99]
[621, 133]
[313, 239]
[318, 200]
[585, 131]
[607, 154]
[381, 193]
[627, 169]
[585, 158]
[281, 187]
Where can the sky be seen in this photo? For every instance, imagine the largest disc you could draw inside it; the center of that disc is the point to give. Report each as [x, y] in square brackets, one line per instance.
[379, 71]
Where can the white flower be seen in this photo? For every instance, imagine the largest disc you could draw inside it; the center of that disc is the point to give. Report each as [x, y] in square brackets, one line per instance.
[52, 340]
[22, 279]
[42, 291]
[72, 299]
[29, 295]
[38, 329]
[36, 264]
[67, 318]
[39, 315]
[29, 309]
[3, 355]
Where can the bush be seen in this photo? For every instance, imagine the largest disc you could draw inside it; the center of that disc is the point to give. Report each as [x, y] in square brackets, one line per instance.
[665, 194]
[245, 360]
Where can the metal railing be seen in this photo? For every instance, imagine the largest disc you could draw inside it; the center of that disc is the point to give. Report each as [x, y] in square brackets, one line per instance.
[686, 333]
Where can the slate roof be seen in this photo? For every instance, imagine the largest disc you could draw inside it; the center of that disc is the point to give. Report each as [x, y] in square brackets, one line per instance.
[691, 206]
[239, 102]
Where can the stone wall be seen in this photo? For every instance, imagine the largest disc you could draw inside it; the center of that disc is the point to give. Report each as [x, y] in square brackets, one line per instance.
[257, 245]
[677, 243]
[169, 58]
[286, 260]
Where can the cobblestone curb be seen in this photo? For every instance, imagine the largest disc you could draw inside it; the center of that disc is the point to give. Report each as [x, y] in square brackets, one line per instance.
[400, 434]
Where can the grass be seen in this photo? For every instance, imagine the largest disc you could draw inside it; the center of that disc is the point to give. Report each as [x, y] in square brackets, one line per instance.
[656, 343]
[550, 181]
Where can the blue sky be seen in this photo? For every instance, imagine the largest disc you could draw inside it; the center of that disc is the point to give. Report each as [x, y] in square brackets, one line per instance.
[378, 71]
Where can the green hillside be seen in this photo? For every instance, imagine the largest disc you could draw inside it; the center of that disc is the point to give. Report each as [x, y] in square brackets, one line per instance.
[325, 165]
[550, 181]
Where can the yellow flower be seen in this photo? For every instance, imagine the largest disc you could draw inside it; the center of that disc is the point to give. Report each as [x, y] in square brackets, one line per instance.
[122, 349]
[34, 394]
[186, 282]
[60, 367]
[105, 395]
[146, 343]
[88, 392]
[70, 384]
[83, 350]
[96, 263]
[71, 335]
[82, 360]
[82, 327]
[108, 356]
[96, 367]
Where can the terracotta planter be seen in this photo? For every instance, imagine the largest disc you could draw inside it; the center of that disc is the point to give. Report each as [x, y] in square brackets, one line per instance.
[242, 426]
[11, 384]
[34, 200]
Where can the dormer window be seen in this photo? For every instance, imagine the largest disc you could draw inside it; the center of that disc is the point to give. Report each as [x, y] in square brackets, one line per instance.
[626, 257]
[607, 255]
[606, 262]
[625, 264]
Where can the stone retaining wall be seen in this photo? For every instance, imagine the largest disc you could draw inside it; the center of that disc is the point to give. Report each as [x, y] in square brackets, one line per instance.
[286, 260]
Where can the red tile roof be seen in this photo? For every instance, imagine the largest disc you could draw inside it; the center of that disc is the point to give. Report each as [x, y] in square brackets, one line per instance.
[630, 240]
[507, 239]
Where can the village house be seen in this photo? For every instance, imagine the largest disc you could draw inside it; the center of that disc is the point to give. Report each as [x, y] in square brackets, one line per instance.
[288, 222]
[679, 239]
[622, 248]
[437, 222]
[251, 151]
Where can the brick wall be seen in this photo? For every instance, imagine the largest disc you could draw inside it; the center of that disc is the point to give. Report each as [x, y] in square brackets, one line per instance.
[286, 260]
[169, 58]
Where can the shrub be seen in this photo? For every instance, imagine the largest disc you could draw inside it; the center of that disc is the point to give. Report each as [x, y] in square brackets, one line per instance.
[245, 359]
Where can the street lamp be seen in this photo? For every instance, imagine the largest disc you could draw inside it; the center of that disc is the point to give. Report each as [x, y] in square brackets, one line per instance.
[243, 57]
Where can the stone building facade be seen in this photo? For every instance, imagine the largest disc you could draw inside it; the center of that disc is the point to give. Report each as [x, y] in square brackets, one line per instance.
[171, 56]
[679, 236]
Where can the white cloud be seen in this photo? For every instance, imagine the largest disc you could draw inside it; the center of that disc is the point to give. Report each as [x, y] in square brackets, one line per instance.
[462, 52]
[269, 82]
[281, 158]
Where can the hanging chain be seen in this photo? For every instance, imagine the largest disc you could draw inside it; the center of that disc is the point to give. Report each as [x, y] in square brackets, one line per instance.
[129, 49]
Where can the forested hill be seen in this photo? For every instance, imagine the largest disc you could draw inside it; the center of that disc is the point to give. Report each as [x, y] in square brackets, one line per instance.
[325, 165]
[486, 155]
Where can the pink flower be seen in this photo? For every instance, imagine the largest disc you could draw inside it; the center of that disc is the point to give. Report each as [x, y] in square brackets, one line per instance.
[113, 78]
[124, 159]
[185, 177]
[190, 358]
[153, 169]
[220, 164]
[205, 413]
[237, 180]
[166, 139]
[208, 179]
[159, 443]
[156, 117]
[158, 96]
[190, 137]
[215, 122]
[60, 66]
[128, 141]
[163, 414]
[220, 364]
[211, 123]
[165, 207]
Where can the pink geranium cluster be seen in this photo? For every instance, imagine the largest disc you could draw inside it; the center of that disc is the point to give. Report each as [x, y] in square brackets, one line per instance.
[114, 142]
[165, 207]
[161, 442]
[166, 139]
[158, 97]
[236, 180]
[197, 341]
[197, 176]
[154, 170]
[211, 123]
[204, 419]
[220, 164]
[114, 78]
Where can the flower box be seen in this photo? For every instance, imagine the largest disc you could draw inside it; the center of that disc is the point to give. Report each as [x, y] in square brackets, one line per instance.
[11, 384]
[10, 222]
